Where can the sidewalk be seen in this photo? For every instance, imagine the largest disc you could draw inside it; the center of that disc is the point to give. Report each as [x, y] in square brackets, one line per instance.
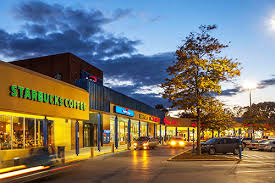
[85, 153]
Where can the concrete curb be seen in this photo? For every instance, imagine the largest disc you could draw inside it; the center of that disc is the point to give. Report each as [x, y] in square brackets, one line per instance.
[202, 160]
[87, 157]
[171, 159]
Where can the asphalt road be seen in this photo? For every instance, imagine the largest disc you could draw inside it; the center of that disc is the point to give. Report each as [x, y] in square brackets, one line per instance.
[152, 166]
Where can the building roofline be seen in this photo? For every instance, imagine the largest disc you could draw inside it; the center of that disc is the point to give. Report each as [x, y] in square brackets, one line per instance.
[39, 75]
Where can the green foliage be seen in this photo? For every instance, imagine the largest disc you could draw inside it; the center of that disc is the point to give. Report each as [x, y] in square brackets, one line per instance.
[214, 116]
[261, 116]
[198, 72]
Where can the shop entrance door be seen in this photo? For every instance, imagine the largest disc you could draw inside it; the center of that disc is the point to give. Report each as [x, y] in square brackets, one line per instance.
[87, 135]
[94, 135]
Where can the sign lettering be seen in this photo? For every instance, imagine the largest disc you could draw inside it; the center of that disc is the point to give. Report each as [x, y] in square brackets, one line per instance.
[38, 96]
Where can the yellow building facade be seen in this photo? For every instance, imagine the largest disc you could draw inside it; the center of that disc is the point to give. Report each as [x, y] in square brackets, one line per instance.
[36, 110]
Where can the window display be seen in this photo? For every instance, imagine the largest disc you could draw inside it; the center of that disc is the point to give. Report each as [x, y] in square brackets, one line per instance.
[134, 130]
[19, 132]
[123, 130]
[5, 132]
[18, 139]
[143, 129]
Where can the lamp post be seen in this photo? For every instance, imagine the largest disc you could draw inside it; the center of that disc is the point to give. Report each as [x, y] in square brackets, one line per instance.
[249, 85]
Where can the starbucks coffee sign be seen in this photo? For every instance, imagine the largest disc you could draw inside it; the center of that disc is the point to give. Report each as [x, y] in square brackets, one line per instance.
[38, 96]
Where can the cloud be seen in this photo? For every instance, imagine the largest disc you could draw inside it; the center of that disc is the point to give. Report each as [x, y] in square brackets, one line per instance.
[143, 70]
[115, 82]
[266, 83]
[151, 89]
[53, 28]
[155, 19]
[121, 13]
[238, 89]
[231, 92]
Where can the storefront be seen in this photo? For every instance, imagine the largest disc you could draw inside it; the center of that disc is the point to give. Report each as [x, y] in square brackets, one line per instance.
[36, 110]
[126, 125]
[182, 127]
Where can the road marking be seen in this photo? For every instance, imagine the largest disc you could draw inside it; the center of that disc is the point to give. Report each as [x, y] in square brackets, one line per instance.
[264, 162]
[255, 171]
[217, 165]
[257, 156]
[235, 164]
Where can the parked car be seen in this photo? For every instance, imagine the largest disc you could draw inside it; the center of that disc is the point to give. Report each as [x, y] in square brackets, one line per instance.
[176, 142]
[270, 146]
[254, 144]
[262, 145]
[259, 143]
[221, 145]
[145, 143]
[41, 156]
[246, 140]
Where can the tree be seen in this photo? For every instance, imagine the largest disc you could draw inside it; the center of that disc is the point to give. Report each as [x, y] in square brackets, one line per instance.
[161, 107]
[215, 116]
[197, 73]
[261, 116]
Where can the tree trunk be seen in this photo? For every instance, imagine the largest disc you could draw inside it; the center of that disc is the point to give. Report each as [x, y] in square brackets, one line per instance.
[212, 133]
[199, 133]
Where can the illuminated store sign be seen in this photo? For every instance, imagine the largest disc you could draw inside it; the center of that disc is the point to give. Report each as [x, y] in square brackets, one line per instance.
[38, 96]
[124, 111]
[170, 122]
[150, 118]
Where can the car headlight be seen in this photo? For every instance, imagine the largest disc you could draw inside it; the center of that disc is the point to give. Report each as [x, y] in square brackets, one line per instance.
[181, 143]
[173, 143]
[145, 144]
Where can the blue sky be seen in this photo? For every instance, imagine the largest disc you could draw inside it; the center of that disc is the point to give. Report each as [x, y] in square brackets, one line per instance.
[151, 31]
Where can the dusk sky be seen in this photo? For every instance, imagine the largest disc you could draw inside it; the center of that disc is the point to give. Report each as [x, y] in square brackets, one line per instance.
[133, 42]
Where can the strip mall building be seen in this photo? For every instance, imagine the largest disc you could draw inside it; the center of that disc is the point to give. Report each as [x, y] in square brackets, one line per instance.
[60, 100]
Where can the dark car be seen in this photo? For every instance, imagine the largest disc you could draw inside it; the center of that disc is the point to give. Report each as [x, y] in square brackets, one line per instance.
[41, 156]
[145, 143]
[221, 145]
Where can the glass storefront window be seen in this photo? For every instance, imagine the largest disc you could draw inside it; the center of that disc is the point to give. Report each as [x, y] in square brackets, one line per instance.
[5, 132]
[18, 135]
[112, 128]
[123, 129]
[143, 129]
[134, 130]
[29, 132]
[19, 132]
[39, 132]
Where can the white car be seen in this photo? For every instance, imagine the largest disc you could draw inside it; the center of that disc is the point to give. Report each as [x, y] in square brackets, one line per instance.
[270, 146]
[261, 145]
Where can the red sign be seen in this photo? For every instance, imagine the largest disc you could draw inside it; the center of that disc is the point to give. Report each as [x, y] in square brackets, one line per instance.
[94, 79]
[170, 122]
[156, 119]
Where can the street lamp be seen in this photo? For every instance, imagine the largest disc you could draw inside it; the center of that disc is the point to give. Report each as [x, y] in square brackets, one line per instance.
[250, 85]
[272, 22]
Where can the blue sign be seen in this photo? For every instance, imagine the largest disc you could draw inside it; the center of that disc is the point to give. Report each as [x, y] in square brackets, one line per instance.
[124, 111]
[106, 131]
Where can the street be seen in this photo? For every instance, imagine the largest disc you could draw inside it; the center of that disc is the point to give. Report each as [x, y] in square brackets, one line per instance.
[152, 166]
